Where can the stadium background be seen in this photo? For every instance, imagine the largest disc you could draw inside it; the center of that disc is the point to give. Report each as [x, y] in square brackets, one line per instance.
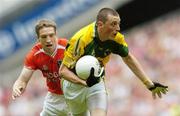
[151, 28]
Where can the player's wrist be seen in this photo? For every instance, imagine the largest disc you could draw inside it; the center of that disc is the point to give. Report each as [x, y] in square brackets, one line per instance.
[148, 84]
[83, 82]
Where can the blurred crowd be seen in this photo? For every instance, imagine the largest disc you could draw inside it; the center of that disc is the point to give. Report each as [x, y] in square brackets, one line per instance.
[156, 46]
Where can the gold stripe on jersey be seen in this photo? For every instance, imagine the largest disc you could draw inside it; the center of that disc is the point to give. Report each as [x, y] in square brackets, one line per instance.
[87, 42]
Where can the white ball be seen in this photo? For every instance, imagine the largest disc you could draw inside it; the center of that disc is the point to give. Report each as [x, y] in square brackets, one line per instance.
[84, 65]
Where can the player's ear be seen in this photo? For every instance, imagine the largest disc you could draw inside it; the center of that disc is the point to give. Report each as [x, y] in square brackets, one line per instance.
[99, 24]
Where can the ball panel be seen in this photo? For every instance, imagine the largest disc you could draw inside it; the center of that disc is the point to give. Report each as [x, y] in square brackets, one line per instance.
[84, 65]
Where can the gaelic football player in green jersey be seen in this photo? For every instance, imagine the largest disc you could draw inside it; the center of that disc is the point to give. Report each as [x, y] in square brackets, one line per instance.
[100, 39]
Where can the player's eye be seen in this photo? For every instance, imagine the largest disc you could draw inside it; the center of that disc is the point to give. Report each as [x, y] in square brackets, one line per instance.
[44, 36]
[51, 35]
[114, 24]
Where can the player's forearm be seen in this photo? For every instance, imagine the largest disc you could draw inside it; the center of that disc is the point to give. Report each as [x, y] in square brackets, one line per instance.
[70, 76]
[134, 65]
[23, 78]
[20, 82]
[25, 75]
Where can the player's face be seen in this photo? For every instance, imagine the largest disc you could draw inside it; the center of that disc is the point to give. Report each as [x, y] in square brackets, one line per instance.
[111, 27]
[47, 38]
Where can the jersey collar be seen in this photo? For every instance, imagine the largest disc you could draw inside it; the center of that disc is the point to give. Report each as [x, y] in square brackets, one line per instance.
[55, 51]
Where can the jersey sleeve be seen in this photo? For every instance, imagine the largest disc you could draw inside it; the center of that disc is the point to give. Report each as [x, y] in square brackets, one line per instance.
[29, 61]
[74, 50]
[121, 47]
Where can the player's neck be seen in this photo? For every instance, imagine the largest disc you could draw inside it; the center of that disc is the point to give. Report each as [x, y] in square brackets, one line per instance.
[50, 51]
[102, 35]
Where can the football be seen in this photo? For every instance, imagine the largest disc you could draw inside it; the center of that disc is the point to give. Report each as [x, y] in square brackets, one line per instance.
[84, 65]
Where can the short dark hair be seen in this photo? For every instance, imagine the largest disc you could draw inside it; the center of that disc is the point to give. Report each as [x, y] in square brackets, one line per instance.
[104, 12]
[44, 23]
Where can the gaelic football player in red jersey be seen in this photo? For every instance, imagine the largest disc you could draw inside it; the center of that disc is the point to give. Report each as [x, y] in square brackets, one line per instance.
[45, 56]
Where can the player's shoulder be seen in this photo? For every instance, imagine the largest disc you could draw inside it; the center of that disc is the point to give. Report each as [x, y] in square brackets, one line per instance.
[62, 41]
[119, 37]
[89, 27]
[36, 48]
[86, 31]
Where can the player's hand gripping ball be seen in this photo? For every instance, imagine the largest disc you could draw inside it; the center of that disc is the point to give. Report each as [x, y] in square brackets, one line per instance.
[88, 68]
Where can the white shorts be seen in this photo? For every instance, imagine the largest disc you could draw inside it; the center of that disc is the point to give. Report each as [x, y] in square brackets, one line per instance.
[80, 98]
[54, 105]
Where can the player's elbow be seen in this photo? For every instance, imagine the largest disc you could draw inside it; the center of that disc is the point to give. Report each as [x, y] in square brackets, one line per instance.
[61, 72]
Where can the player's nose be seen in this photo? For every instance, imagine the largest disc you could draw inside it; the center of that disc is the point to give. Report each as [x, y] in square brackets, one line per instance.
[48, 39]
[118, 28]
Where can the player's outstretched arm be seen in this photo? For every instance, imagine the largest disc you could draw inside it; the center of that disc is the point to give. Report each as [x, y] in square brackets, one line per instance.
[21, 83]
[157, 89]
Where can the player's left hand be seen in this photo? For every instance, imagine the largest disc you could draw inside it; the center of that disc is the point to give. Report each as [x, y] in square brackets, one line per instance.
[158, 89]
[92, 79]
[18, 89]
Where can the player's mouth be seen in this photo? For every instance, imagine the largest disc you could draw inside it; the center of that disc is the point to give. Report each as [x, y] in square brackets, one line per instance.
[49, 45]
[114, 34]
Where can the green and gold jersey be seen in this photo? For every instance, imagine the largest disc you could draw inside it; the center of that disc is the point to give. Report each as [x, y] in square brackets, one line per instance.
[87, 42]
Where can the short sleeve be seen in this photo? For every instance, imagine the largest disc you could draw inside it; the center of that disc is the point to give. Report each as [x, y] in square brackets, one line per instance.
[120, 47]
[29, 61]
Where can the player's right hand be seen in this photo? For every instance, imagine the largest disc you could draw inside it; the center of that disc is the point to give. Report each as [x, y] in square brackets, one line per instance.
[18, 89]
[92, 79]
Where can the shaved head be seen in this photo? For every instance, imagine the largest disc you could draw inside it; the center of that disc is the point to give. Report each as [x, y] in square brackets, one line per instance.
[104, 12]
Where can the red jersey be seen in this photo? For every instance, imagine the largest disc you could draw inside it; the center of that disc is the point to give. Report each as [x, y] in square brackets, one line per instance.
[38, 59]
